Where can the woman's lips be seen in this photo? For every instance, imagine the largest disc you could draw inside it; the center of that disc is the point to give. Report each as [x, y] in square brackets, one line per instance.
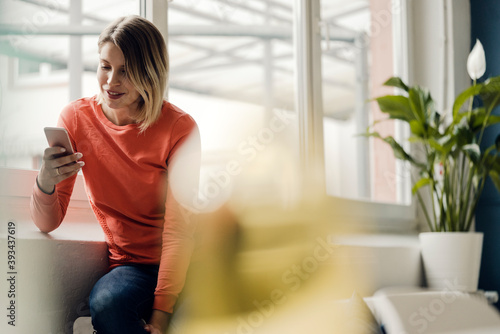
[114, 95]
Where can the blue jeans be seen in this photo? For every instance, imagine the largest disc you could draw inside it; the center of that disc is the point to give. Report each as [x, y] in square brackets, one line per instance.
[122, 299]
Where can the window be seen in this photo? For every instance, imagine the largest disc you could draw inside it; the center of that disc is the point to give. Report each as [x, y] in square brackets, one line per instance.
[48, 58]
[358, 47]
[232, 69]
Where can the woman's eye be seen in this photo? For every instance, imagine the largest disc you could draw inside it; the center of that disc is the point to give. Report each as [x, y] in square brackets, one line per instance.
[105, 67]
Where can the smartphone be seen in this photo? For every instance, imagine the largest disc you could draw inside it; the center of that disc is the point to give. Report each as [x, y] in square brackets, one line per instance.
[59, 137]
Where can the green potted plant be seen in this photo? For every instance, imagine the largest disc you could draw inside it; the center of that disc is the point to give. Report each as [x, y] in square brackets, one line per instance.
[453, 169]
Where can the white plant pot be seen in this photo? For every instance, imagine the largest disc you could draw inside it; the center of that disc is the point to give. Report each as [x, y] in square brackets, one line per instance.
[452, 259]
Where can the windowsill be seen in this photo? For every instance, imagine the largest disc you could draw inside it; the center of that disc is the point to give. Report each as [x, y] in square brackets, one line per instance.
[378, 240]
[79, 223]
[374, 217]
[380, 260]
[73, 231]
[367, 217]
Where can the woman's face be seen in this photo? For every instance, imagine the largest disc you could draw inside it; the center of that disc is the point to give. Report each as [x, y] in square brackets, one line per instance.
[115, 87]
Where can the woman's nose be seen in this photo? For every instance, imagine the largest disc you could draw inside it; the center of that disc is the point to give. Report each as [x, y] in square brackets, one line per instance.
[113, 78]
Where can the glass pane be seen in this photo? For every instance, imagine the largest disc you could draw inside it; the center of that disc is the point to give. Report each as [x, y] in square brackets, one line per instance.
[34, 78]
[357, 58]
[34, 90]
[31, 15]
[237, 81]
[103, 12]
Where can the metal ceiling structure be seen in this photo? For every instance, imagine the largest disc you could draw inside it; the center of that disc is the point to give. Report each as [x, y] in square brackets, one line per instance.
[223, 48]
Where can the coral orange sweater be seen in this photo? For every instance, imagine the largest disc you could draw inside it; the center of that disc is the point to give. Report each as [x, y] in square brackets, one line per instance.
[125, 177]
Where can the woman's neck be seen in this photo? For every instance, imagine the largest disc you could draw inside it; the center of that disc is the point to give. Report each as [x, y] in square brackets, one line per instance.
[120, 117]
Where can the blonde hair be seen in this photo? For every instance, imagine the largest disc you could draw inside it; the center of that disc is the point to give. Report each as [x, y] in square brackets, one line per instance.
[146, 63]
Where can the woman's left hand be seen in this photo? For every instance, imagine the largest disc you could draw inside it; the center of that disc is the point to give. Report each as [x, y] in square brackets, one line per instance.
[151, 329]
[158, 323]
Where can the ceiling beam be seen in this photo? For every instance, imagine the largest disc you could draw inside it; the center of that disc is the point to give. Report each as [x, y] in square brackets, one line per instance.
[236, 63]
[279, 32]
[263, 13]
[228, 53]
[196, 13]
[263, 32]
[50, 30]
[278, 5]
[63, 10]
[259, 31]
[347, 12]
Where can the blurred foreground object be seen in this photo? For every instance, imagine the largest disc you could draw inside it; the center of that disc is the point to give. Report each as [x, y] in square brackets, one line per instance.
[264, 263]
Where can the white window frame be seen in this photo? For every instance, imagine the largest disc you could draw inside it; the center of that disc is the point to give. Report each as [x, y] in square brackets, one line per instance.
[367, 215]
[16, 184]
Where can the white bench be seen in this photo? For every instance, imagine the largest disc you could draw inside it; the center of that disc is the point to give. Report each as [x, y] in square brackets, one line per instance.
[54, 274]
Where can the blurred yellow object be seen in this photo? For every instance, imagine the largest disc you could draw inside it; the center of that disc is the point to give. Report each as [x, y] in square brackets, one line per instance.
[265, 264]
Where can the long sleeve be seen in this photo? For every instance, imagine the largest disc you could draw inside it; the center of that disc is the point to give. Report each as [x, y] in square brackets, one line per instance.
[178, 245]
[48, 211]
[180, 221]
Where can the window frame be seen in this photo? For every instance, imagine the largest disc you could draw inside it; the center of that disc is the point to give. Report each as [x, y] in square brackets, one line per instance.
[368, 215]
[371, 215]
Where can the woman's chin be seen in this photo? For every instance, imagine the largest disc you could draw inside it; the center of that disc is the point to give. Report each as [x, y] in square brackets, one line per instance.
[112, 104]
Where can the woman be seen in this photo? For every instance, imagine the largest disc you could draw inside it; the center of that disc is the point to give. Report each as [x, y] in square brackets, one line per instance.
[126, 140]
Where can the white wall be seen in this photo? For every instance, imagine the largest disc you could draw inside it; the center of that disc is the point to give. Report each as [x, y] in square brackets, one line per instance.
[439, 47]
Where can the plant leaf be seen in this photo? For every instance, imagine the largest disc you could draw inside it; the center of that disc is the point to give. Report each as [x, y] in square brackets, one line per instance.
[492, 161]
[473, 152]
[497, 143]
[463, 97]
[418, 103]
[414, 139]
[495, 177]
[398, 150]
[417, 128]
[447, 142]
[436, 145]
[493, 119]
[396, 82]
[478, 115]
[396, 106]
[476, 118]
[490, 93]
[463, 133]
[421, 183]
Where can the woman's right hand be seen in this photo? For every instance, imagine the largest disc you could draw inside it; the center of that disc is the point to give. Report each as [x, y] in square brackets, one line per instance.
[56, 169]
